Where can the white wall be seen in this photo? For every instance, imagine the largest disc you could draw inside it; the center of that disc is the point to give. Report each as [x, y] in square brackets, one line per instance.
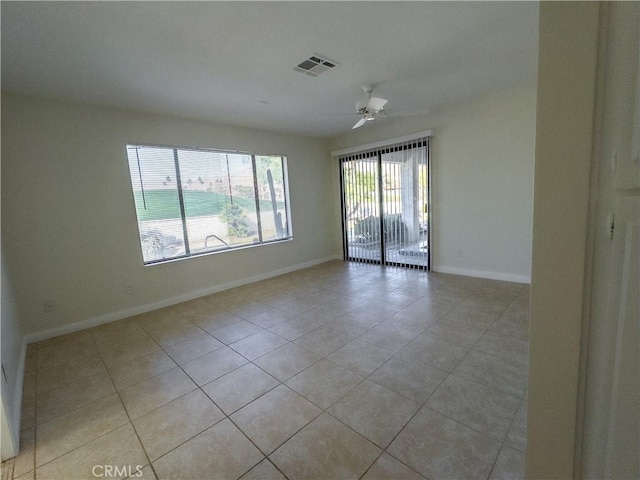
[69, 222]
[482, 180]
[568, 51]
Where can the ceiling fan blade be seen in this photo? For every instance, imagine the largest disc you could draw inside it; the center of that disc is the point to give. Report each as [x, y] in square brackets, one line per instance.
[361, 122]
[376, 103]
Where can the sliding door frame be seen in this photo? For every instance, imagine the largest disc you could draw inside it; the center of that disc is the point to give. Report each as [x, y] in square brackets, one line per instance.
[377, 153]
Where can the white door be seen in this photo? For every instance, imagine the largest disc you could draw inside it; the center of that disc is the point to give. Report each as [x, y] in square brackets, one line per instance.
[611, 436]
[623, 438]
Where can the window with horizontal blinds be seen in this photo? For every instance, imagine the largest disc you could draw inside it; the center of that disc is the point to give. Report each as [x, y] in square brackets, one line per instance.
[195, 201]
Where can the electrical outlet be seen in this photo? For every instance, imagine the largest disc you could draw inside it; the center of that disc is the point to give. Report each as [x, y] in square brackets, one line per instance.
[49, 307]
[459, 252]
[129, 289]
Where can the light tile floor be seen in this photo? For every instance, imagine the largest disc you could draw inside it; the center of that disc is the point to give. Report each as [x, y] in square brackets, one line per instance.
[339, 371]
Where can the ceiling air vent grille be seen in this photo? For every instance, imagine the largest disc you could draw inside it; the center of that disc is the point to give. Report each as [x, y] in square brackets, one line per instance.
[314, 66]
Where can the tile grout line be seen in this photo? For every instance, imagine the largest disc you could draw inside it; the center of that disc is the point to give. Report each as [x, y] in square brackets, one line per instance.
[146, 454]
[253, 362]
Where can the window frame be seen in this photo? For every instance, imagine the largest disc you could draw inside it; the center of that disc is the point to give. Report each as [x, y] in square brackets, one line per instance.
[184, 217]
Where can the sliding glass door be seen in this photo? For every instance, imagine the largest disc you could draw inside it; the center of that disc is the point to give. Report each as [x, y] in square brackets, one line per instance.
[385, 205]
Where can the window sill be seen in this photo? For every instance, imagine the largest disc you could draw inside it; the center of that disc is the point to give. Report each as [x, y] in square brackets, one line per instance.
[217, 251]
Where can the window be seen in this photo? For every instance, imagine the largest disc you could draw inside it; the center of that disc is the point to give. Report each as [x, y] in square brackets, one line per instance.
[194, 201]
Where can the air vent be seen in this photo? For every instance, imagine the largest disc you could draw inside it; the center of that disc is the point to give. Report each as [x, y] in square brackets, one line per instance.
[314, 66]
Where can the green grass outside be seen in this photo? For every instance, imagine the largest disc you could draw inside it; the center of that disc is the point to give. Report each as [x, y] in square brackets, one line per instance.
[163, 204]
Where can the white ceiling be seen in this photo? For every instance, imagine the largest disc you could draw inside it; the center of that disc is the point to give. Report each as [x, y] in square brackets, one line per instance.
[217, 61]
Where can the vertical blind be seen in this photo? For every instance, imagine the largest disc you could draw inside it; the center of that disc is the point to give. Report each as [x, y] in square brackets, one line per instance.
[385, 204]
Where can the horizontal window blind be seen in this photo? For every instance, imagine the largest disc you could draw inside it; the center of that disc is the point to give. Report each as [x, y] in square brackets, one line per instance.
[194, 201]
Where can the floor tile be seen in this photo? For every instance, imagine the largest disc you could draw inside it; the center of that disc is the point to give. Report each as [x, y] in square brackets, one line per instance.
[258, 344]
[239, 387]
[360, 357]
[50, 378]
[264, 471]
[286, 361]
[517, 435]
[64, 399]
[413, 380]
[248, 309]
[30, 475]
[352, 324]
[374, 411]
[193, 348]
[78, 427]
[388, 468]
[482, 408]
[388, 336]
[438, 447]
[505, 346]
[55, 357]
[507, 375]
[436, 353]
[217, 321]
[469, 315]
[220, 452]
[177, 332]
[145, 473]
[324, 340]
[154, 392]
[269, 317]
[325, 449]
[516, 325]
[373, 312]
[25, 460]
[398, 299]
[125, 352]
[28, 414]
[213, 365]
[130, 373]
[273, 418]
[118, 448]
[455, 345]
[64, 349]
[165, 428]
[324, 382]
[121, 331]
[509, 466]
[454, 333]
[236, 331]
[430, 308]
[294, 328]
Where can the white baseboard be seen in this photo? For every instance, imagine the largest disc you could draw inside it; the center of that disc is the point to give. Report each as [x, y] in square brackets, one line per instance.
[505, 277]
[119, 315]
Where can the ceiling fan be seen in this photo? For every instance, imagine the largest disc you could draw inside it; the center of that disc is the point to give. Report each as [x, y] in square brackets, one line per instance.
[370, 110]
